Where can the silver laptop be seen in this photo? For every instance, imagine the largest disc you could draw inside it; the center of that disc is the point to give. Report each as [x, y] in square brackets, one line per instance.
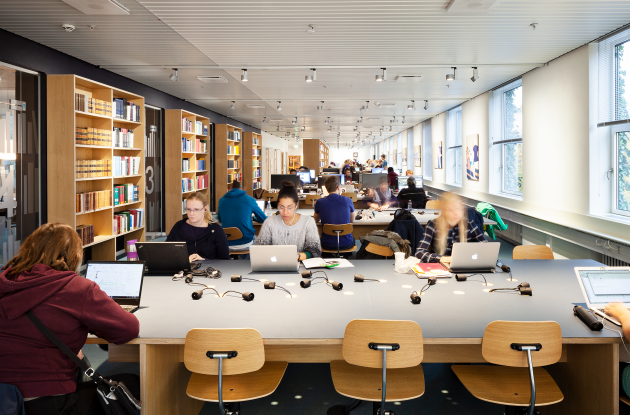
[274, 258]
[602, 285]
[120, 280]
[474, 257]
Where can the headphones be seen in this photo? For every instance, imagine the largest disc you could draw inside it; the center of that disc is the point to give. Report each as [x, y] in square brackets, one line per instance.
[269, 285]
[189, 276]
[523, 289]
[415, 296]
[505, 268]
[361, 278]
[247, 296]
[337, 286]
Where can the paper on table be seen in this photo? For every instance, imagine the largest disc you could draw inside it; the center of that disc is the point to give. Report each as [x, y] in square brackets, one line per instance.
[321, 263]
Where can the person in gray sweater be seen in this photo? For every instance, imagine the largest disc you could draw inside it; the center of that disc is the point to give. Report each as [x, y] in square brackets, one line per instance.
[289, 227]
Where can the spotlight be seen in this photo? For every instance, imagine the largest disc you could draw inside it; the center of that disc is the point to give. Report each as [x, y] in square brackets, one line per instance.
[304, 128]
[475, 74]
[279, 107]
[233, 106]
[390, 128]
[278, 128]
[451, 76]
[403, 119]
[392, 120]
[312, 77]
[264, 120]
[244, 76]
[426, 105]
[330, 128]
[383, 77]
[174, 76]
[294, 121]
[360, 120]
[327, 120]
[321, 107]
[412, 106]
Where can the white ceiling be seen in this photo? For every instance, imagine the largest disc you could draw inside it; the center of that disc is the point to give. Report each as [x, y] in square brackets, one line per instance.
[352, 40]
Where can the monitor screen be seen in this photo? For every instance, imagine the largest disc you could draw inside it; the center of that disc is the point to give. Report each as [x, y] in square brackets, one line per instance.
[402, 181]
[330, 170]
[377, 170]
[322, 179]
[313, 174]
[372, 179]
[277, 179]
[305, 176]
[606, 285]
[117, 280]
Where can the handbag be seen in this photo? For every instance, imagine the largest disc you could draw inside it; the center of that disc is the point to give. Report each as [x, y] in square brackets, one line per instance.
[114, 397]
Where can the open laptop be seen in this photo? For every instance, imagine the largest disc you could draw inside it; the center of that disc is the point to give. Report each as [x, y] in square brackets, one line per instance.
[121, 280]
[274, 258]
[164, 258]
[261, 204]
[474, 257]
[602, 285]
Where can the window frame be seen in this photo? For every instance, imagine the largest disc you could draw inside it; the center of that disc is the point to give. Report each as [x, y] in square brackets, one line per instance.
[615, 168]
[454, 150]
[503, 141]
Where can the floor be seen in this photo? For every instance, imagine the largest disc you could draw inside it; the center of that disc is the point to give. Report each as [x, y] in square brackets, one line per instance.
[307, 389]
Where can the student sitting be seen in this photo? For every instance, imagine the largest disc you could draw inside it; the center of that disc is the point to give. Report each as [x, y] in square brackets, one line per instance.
[42, 278]
[348, 177]
[622, 314]
[408, 173]
[235, 211]
[337, 210]
[289, 227]
[369, 164]
[392, 178]
[205, 239]
[382, 197]
[440, 234]
[301, 183]
[416, 195]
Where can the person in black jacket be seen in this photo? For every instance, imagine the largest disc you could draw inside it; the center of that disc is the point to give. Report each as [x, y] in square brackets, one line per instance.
[416, 194]
[205, 239]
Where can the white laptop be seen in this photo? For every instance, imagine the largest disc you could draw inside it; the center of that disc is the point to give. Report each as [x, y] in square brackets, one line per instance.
[261, 204]
[274, 258]
[474, 257]
[348, 188]
[121, 280]
[602, 285]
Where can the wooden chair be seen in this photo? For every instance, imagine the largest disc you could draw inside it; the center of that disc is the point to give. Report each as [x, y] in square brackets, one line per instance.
[338, 230]
[351, 195]
[270, 197]
[357, 185]
[379, 250]
[515, 345]
[368, 375]
[312, 199]
[532, 252]
[228, 365]
[434, 204]
[232, 235]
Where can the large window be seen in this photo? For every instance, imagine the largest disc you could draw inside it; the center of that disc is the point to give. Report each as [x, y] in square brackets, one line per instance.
[621, 202]
[454, 158]
[427, 151]
[622, 94]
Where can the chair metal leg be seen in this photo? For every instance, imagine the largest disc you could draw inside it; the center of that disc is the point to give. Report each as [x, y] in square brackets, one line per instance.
[531, 381]
[221, 386]
[384, 387]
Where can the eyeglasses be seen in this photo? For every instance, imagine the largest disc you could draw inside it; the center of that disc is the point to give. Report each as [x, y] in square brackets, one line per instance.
[195, 211]
[289, 208]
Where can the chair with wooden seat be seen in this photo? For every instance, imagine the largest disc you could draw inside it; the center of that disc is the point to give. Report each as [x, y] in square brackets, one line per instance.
[520, 348]
[357, 185]
[228, 366]
[381, 363]
[351, 195]
[312, 199]
[270, 197]
[532, 252]
[379, 250]
[232, 235]
[338, 230]
[434, 204]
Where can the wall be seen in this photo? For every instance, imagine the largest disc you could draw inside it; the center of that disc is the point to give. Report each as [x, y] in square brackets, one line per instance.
[338, 155]
[272, 143]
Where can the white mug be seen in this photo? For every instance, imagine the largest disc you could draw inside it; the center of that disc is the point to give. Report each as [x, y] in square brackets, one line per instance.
[399, 256]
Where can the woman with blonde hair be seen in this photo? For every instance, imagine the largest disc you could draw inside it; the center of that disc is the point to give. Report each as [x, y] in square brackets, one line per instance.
[205, 239]
[451, 226]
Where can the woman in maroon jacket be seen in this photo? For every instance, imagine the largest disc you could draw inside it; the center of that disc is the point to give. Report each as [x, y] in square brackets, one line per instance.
[42, 277]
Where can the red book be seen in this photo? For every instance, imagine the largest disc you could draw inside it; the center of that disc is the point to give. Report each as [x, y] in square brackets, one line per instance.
[431, 269]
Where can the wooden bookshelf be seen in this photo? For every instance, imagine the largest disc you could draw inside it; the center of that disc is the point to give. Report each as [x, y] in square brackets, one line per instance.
[64, 153]
[252, 162]
[316, 155]
[226, 136]
[175, 154]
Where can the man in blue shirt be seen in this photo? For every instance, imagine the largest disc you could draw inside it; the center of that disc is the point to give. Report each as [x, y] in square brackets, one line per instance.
[337, 210]
[384, 165]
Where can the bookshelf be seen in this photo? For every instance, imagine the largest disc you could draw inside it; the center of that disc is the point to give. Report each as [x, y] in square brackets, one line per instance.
[228, 150]
[252, 162]
[187, 161]
[91, 152]
[295, 162]
[316, 155]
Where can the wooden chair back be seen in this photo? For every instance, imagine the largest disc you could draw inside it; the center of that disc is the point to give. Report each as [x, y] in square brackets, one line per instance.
[330, 229]
[357, 185]
[499, 335]
[379, 250]
[360, 333]
[247, 342]
[532, 252]
[433, 204]
[272, 197]
[233, 233]
[311, 199]
[351, 195]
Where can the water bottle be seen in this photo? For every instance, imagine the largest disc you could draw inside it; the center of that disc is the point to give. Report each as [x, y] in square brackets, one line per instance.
[132, 254]
[267, 208]
[409, 205]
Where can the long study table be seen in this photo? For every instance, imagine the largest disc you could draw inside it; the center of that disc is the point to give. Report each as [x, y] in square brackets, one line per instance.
[309, 327]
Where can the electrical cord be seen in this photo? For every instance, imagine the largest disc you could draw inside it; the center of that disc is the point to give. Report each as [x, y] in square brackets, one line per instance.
[603, 321]
[206, 272]
[483, 276]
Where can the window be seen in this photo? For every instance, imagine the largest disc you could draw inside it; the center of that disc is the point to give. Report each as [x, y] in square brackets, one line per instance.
[427, 151]
[621, 171]
[454, 147]
[622, 95]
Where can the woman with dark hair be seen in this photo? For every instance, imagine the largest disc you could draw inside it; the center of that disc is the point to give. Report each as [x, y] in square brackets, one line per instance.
[416, 195]
[42, 278]
[289, 227]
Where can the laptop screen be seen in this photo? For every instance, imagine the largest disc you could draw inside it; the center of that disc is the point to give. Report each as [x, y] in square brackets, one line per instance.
[261, 204]
[117, 279]
[605, 285]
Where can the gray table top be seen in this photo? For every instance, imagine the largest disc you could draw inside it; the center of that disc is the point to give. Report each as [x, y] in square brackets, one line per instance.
[302, 196]
[168, 311]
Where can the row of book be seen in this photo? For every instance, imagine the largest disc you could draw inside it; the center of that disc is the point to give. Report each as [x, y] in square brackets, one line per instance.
[257, 185]
[256, 152]
[126, 166]
[233, 150]
[126, 110]
[93, 168]
[128, 220]
[185, 165]
[234, 164]
[86, 233]
[123, 137]
[194, 145]
[235, 176]
[91, 105]
[257, 174]
[92, 137]
[256, 163]
[322, 164]
[234, 135]
[187, 125]
[126, 193]
[91, 201]
[201, 165]
[256, 141]
[199, 182]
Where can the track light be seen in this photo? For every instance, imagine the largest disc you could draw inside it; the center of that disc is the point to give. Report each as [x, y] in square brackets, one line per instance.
[244, 76]
[403, 119]
[475, 74]
[360, 121]
[312, 77]
[327, 120]
[412, 106]
[278, 128]
[426, 105]
[264, 120]
[321, 107]
[304, 128]
[390, 128]
[451, 76]
[383, 77]
[392, 120]
[294, 121]
[233, 106]
[174, 76]
[330, 128]
[279, 107]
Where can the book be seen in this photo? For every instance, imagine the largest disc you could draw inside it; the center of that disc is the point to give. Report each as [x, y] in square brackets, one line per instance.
[326, 263]
[91, 201]
[432, 269]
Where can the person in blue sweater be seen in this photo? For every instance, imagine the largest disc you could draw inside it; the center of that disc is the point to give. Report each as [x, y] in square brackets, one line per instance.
[235, 211]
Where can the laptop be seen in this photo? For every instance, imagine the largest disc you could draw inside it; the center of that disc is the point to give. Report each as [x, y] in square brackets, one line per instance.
[274, 258]
[164, 257]
[261, 204]
[121, 280]
[474, 257]
[348, 188]
[602, 285]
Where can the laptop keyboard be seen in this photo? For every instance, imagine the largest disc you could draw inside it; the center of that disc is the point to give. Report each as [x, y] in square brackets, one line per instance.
[129, 308]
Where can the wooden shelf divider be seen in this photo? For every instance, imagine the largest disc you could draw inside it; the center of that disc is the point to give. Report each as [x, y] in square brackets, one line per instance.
[228, 149]
[252, 162]
[316, 155]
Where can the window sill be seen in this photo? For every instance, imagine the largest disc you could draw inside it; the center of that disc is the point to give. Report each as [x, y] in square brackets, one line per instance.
[508, 196]
[454, 184]
[611, 217]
